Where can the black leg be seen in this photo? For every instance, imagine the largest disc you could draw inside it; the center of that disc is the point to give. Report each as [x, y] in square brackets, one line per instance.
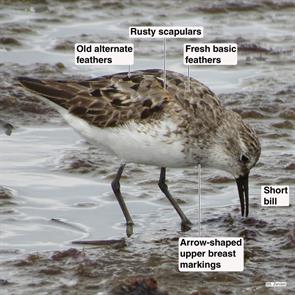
[164, 188]
[117, 192]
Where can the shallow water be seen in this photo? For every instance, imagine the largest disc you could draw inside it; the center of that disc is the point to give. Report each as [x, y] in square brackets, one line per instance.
[55, 187]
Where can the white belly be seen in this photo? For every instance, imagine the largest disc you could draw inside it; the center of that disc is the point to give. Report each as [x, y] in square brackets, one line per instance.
[135, 142]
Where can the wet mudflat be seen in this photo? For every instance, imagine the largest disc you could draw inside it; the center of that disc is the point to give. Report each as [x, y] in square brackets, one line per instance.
[55, 187]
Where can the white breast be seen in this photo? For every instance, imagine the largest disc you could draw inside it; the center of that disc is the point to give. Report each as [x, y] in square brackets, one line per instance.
[137, 143]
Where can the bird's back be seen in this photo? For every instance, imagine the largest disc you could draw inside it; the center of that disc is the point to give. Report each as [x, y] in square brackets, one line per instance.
[113, 100]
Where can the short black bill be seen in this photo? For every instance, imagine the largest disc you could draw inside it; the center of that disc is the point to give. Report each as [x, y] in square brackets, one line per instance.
[243, 189]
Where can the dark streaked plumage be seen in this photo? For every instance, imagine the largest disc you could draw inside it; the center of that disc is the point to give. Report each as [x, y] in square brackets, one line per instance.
[112, 100]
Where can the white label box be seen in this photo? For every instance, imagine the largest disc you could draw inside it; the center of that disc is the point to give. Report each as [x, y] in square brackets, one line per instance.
[154, 32]
[104, 54]
[275, 195]
[210, 254]
[210, 54]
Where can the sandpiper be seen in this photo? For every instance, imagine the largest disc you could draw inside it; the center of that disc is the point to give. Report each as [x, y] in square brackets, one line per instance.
[141, 120]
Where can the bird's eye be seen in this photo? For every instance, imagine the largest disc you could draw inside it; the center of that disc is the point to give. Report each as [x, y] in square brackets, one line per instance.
[244, 159]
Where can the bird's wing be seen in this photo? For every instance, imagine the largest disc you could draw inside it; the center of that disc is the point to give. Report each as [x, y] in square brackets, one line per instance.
[106, 101]
[113, 100]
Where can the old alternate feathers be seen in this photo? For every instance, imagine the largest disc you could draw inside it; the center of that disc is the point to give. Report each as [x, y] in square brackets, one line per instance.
[113, 100]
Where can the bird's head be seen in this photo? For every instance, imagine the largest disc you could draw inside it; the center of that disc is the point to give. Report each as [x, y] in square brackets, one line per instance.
[236, 150]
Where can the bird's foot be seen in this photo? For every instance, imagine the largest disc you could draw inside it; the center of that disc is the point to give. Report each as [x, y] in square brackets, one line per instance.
[129, 228]
[186, 225]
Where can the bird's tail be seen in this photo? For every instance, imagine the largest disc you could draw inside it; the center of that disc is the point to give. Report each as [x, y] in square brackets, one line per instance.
[56, 92]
